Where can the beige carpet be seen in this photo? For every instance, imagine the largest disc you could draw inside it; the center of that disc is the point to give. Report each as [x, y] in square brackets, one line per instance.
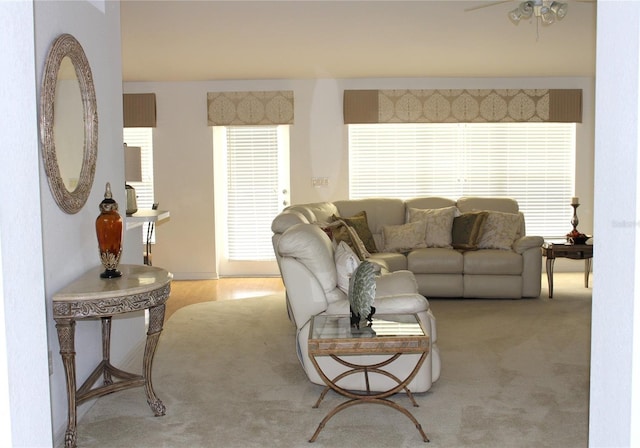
[515, 374]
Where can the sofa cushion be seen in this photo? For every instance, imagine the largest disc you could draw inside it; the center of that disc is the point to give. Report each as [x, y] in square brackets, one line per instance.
[439, 222]
[319, 212]
[392, 261]
[500, 230]
[404, 237]
[498, 204]
[360, 224]
[435, 260]
[346, 264]
[380, 212]
[467, 229]
[492, 261]
[425, 202]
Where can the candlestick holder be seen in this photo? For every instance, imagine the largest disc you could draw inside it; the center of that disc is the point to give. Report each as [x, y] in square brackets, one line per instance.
[575, 237]
[574, 220]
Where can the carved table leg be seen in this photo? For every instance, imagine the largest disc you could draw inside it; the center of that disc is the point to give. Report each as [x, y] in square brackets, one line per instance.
[156, 319]
[550, 263]
[66, 336]
[106, 348]
[587, 269]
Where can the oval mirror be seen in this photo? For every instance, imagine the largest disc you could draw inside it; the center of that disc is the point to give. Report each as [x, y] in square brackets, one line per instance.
[69, 124]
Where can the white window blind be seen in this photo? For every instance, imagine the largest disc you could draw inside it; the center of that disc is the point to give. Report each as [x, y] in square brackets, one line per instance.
[143, 137]
[530, 162]
[252, 191]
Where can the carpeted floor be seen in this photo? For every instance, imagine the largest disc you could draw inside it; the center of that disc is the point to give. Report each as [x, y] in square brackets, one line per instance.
[515, 374]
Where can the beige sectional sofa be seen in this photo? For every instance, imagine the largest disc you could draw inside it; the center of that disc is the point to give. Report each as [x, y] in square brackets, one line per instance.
[446, 258]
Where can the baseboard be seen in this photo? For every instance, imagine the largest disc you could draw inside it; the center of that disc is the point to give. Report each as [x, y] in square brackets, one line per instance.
[195, 275]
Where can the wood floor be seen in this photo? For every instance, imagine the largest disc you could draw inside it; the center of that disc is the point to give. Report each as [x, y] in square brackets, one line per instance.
[188, 292]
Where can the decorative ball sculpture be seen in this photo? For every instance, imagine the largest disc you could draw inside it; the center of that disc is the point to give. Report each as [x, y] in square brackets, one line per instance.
[109, 233]
[362, 292]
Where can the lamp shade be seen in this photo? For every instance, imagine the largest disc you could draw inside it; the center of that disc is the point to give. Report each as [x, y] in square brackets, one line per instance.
[132, 163]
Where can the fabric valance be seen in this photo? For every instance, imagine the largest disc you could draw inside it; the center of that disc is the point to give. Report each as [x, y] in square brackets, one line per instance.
[250, 108]
[139, 110]
[463, 106]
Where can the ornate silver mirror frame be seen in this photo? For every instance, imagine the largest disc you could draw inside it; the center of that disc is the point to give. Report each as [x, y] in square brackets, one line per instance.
[71, 201]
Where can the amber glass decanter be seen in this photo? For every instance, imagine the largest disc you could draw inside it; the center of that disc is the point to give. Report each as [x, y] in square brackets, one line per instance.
[109, 232]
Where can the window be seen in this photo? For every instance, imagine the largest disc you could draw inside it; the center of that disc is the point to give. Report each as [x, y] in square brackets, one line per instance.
[531, 162]
[255, 185]
[143, 137]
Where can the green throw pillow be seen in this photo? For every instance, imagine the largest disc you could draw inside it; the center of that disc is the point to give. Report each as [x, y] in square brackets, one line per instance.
[359, 223]
[467, 229]
[341, 231]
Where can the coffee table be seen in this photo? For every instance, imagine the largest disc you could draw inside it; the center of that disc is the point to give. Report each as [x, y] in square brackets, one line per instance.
[567, 250]
[393, 335]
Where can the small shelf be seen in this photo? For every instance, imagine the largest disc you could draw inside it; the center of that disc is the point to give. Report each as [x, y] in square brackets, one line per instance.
[142, 216]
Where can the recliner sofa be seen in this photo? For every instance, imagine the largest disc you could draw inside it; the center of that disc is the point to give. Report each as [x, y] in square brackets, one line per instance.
[507, 264]
[306, 257]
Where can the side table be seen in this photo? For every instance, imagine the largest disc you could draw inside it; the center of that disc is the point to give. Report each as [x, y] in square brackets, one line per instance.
[393, 335]
[92, 297]
[565, 250]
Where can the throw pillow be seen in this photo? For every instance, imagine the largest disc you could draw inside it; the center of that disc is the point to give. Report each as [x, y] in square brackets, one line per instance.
[499, 231]
[404, 237]
[343, 232]
[467, 229]
[361, 226]
[439, 222]
[346, 264]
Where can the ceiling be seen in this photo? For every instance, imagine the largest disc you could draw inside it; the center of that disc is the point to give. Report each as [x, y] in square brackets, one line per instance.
[218, 40]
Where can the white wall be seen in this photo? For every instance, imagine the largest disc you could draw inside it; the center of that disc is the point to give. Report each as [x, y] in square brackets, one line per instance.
[183, 161]
[615, 337]
[69, 241]
[24, 386]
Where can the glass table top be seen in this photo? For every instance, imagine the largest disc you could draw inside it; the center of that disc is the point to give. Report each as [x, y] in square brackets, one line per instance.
[390, 325]
[387, 334]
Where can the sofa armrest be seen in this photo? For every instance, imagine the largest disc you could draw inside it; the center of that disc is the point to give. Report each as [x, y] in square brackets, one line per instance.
[527, 242]
[394, 283]
[396, 304]
[286, 219]
[401, 304]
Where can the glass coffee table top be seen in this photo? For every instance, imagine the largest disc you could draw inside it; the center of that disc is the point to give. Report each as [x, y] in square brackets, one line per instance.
[397, 333]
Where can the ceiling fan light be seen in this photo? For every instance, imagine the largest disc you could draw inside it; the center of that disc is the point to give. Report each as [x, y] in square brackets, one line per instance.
[515, 15]
[559, 9]
[526, 9]
[548, 17]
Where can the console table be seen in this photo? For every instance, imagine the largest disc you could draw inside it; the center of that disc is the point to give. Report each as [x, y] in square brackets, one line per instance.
[91, 297]
[393, 335]
[566, 250]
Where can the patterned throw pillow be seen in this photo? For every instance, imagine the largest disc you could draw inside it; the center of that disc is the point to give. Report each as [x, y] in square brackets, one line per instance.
[361, 226]
[439, 222]
[499, 231]
[467, 229]
[343, 232]
[405, 237]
